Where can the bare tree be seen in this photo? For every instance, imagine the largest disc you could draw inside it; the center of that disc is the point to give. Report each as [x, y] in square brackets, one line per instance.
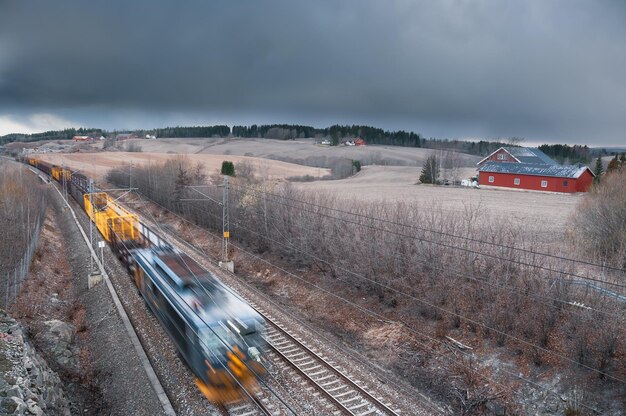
[599, 225]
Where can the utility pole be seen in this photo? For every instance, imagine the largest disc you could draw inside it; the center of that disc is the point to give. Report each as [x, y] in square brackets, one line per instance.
[130, 175]
[64, 182]
[225, 222]
[91, 220]
[225, 262]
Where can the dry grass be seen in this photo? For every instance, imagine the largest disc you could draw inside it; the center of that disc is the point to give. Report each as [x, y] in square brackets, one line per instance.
[543, 213]
[301, 149]
[97, 165]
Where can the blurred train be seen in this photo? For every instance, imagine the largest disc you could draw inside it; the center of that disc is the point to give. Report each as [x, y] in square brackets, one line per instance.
[217, 334]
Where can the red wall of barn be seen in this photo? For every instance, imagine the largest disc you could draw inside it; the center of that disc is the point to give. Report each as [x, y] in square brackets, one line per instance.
[584, 182]
[581, 184]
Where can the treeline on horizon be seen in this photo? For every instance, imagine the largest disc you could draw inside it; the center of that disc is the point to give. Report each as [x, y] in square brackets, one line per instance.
[336, 134]
[65, 134]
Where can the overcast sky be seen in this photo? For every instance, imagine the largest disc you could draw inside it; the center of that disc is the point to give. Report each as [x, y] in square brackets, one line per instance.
[548, 71]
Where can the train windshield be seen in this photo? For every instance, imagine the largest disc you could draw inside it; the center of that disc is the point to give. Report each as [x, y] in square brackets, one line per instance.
[213, 339]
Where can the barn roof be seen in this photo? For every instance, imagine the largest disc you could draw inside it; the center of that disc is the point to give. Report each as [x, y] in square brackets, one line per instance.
[525, 155]
[556, 171]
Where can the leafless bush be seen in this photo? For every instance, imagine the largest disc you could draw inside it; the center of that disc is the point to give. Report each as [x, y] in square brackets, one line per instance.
[245, 171]
[133, 147]
[341, 168]
[303, 178]
[22, 201]
[599, 225]
[109, 142]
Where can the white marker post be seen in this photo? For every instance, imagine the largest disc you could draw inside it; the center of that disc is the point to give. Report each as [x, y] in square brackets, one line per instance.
[101, 245]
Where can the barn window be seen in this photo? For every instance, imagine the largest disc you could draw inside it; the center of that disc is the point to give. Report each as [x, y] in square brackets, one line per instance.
[491, 179]
[516, 181]
[564, 183]
[501, 156]
[544, 184]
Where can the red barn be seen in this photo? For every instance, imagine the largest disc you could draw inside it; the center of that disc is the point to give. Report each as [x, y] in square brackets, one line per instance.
[359, 142]
[538, 177]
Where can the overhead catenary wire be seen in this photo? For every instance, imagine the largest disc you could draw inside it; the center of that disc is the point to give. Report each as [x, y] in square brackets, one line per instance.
[217, 337]
[217, 357]
[382, 317]
[460, 316]
[415, 227]
[450, 246]
[411, 329]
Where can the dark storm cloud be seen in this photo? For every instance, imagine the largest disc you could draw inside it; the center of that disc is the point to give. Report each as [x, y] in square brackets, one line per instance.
[545, 70]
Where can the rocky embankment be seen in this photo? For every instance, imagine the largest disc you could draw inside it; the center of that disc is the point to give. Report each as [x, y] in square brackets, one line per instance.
[27, 384]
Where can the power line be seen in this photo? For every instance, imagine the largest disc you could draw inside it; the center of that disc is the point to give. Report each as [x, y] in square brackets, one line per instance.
[465, 318]
[424, 240]
[378, 316]
[355, 214]
[416, 261]
[457, 315]
[411, 329]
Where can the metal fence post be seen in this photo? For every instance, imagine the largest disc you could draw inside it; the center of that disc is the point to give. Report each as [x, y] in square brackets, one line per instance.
[14, 285]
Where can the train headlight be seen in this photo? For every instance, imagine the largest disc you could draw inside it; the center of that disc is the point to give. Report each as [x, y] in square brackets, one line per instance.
[254, 353]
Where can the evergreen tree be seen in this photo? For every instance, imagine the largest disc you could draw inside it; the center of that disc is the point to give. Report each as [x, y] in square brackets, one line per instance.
[228, 168]
[599, 169]
[430, 171]
[622, 158]
[614, 165]
[183, 179]
[334, 138]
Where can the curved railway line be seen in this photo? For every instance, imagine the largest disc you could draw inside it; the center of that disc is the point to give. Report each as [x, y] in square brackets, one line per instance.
[318, 376]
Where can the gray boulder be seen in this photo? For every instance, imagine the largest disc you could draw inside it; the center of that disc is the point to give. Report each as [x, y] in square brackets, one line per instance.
[57, 341]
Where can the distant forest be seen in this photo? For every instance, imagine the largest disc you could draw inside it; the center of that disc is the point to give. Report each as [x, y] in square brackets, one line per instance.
[565, 154]
[336, 134]
[66, 134]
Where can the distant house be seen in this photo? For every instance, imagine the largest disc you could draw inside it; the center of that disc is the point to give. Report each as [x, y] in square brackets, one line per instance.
[359, 142]
[126, 136]
[529, 168]
[82, 138]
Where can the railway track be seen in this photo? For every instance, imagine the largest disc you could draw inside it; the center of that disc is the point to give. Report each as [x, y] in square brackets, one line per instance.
[347, 396]
[350, 397]
[257, 406]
